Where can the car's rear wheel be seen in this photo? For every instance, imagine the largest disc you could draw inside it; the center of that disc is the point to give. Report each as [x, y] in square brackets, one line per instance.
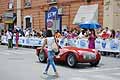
[71, 60]
[94, 63]
[42, 57]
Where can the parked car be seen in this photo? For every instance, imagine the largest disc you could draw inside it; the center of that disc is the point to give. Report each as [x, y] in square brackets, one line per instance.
[72, 55]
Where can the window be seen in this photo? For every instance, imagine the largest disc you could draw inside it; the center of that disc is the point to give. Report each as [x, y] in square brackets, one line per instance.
[10, 4]
[27, 3]
[51, 1]
[88, 1]
[0, 18]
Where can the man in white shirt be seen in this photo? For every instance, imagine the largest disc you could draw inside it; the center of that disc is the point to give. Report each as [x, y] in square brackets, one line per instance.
[9, 37]
[107, 31]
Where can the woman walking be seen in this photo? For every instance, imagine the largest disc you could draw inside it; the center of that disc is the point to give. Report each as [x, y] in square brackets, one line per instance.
[49, 40]
[17, 38]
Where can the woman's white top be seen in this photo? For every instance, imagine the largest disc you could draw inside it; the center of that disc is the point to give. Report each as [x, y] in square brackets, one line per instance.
[50, 41]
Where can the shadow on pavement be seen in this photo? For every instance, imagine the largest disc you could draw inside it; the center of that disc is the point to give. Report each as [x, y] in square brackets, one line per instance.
[78, 66]
[49, 77]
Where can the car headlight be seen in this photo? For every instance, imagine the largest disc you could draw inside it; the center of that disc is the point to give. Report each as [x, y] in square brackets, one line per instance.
[87, 55]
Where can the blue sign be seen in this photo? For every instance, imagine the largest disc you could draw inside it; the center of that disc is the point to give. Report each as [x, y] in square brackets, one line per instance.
[52, 13]
[82, 43]
[62, 42]
[27, 40]
[104, 44]
[39, 42]
[114, 45]
[23, 41]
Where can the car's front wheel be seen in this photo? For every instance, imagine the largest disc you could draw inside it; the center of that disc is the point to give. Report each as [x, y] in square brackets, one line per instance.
[71, 60]
[41, 56]
[94, 63]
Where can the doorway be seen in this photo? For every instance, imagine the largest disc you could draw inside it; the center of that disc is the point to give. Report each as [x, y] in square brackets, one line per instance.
[28, 23]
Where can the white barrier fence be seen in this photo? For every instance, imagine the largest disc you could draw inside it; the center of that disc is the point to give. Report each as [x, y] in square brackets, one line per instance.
[109, 45]
[25, 41]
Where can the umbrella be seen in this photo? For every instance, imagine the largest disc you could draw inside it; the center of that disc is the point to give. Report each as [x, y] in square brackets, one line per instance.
[89, 25]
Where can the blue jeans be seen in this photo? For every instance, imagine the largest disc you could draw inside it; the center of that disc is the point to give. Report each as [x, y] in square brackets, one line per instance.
[50, 61]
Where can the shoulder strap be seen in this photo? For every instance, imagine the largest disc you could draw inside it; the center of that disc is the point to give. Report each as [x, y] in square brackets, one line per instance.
[44, 43]
[46, 40]
[56, 41]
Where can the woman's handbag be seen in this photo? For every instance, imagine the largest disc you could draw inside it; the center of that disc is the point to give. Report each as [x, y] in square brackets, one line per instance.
[55, 48]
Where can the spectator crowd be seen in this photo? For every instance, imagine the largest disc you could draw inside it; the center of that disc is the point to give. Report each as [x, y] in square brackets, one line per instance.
[90, 34]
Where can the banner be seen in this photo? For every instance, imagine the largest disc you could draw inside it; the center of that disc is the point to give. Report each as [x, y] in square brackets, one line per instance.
[51, 16]
[108, 45]
[25, 41]
[82, 43]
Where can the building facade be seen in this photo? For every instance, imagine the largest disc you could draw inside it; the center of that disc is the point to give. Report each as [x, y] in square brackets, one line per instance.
[111, 15]
[39, 14]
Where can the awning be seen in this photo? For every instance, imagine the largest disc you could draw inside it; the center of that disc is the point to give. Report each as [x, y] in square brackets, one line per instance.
[86, 13]
[9, 17]
[10, 20]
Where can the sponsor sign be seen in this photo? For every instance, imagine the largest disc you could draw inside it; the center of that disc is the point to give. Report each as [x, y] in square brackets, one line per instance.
[52, 15]
[109, 45]
[24, 41]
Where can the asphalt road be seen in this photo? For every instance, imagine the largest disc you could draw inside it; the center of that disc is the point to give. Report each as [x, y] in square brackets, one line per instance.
[22, 64]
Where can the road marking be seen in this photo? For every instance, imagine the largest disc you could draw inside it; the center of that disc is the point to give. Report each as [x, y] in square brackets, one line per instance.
[16, 51]
[4, 53]
[99, 70]
[104, 77]
[77, 78]
[94, 77]
[117, 74]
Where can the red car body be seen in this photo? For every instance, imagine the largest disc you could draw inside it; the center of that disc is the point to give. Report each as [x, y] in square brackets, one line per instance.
[73, 55]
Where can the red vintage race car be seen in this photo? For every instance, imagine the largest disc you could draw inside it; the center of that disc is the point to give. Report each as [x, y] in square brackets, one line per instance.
[72, 56]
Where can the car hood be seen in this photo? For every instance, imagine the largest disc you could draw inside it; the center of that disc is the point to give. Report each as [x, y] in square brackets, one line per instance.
[80, 49]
